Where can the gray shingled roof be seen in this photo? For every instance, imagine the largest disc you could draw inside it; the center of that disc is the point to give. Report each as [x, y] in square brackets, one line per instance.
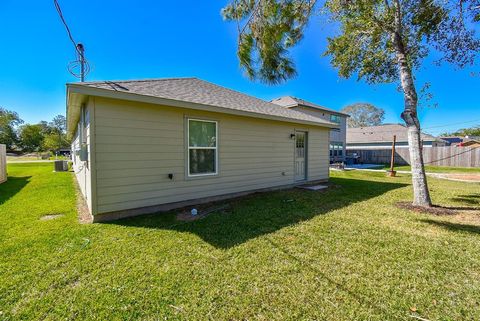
[289, 101]
[194, 90]
[382, 133]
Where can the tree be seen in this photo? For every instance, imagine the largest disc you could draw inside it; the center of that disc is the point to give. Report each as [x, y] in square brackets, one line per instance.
[59, 123]
[8, 121]
[31, 137]
[53, 142]
[472, 131]
[379, 41]
[363, 114]
[55, 136]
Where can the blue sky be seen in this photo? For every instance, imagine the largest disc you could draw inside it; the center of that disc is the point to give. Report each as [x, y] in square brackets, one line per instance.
[155, 39]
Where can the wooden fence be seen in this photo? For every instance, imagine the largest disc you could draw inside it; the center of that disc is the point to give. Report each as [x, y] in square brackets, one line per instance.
[434, 156]
[3, 163]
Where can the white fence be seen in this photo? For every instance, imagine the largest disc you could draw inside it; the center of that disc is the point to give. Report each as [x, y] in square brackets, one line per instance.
[3, 163]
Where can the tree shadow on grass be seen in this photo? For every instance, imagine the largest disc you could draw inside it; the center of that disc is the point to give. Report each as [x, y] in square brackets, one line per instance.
[472, 199]
[454, 227]
[263, 213]
[12, 186]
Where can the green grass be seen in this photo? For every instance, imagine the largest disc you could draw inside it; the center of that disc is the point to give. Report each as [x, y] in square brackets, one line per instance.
[345, 254]
[438, 169]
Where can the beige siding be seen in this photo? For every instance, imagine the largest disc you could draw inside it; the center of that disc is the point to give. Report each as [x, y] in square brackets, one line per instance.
[137, 145]
[3, 163]
[83, 170]
[335, 135]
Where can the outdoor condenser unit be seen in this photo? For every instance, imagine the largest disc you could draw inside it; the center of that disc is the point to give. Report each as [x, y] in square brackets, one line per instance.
[61, 166]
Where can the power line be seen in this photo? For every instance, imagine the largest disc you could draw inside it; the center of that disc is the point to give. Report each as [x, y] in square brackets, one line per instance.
[81, 62]
[60, 14]
[459, 123]
[452, 156]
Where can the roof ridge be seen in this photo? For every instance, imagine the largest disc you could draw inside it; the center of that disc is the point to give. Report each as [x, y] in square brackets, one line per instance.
[130, 80]
[238, 92]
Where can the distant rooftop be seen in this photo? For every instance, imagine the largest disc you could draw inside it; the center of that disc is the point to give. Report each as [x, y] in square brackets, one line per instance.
[289, 102]
[382, 133]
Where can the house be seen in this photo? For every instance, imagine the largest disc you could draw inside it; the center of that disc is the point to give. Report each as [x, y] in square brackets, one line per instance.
[337, 135]
[470, 143]
[452, 140]
[463, 141]
[152, 145]
[381, 137]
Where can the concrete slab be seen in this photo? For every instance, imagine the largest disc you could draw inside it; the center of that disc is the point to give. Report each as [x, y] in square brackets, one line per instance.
[363, 166]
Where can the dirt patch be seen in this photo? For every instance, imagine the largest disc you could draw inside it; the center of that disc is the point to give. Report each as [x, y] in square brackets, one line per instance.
[470, 177]
[84, 216]
[50, 217]
[435, 210]
[438, 210]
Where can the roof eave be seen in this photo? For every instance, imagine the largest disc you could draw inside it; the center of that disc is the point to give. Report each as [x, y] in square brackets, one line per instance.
[107, 93]
[319, 108]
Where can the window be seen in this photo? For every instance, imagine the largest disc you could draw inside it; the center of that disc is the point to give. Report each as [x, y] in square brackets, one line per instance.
[202, 147]
[336, 149]
[335, 119]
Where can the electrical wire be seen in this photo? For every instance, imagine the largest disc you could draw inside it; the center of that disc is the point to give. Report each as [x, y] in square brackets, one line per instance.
[459, 123]
[60, 14]
[73, 65]
[452, 156]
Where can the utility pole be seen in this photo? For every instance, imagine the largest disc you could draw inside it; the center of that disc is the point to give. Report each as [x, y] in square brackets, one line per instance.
[81, 53]
[391, 172]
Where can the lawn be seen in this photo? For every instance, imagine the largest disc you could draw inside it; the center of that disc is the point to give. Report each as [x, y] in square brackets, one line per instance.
[438, 169]
[345, 254]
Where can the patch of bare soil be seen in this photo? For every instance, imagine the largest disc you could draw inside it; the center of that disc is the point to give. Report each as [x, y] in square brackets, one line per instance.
[84, 216]
[439, 210]
[51, 217]
[467, 177]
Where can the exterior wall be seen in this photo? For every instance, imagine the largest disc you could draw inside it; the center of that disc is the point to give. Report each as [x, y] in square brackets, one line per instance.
[335, 135]
[83, 169]
[3, 163]
[137, 145]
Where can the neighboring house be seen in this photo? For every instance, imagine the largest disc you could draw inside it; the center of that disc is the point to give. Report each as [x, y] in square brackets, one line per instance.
[381, 137]
[463, 141]
[470, 143]
[452, 140]
[152, 145]
[3, 163]
[337, 135]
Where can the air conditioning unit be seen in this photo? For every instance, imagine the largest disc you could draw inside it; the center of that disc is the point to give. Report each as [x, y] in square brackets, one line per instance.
[61, 166]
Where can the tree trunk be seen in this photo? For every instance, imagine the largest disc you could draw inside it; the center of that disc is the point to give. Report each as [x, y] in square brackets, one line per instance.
[421, 195]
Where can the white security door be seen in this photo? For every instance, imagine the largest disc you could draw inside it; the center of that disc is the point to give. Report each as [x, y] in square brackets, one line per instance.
[300, 156]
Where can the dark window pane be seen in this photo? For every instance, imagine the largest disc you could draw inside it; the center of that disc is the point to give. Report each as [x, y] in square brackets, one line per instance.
[202, 161]
[202, 134]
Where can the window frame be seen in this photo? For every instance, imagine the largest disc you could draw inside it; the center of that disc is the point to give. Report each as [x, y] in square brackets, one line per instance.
[338, 119]
[189, 175]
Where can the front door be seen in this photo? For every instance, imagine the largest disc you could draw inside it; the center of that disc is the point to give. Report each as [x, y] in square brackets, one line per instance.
[300, 156]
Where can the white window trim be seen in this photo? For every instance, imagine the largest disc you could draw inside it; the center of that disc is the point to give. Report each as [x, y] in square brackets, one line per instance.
[189, 148]
[338, 119]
